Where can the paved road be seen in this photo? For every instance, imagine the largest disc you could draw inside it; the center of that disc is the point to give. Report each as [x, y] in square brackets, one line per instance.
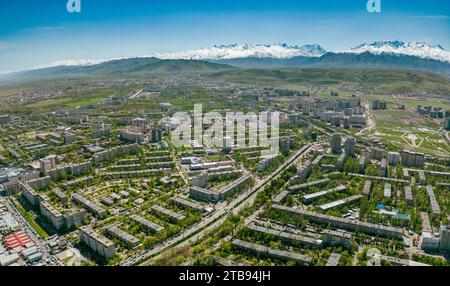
[136, 94]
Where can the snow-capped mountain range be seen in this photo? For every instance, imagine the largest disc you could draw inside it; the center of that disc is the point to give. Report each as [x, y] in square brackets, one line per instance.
[281, 52]
[284, 51]
[236, 51]
[417, 49]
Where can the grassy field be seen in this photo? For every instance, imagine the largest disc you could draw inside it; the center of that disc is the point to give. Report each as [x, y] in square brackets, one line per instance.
[405, 129]
[433, 101]
[411, 104]
[11, 91]
[374, 81]
[69, 100]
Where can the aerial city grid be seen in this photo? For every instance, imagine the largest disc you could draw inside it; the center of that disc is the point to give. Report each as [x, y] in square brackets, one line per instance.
[232, 149]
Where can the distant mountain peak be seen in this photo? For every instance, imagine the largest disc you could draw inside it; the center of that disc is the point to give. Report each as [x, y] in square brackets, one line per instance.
[401, 44]
[417, 49]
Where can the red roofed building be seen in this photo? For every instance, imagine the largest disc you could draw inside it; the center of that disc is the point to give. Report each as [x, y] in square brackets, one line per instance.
[17, 239]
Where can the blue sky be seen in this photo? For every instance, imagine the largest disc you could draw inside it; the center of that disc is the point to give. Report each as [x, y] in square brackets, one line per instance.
[39, 32]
